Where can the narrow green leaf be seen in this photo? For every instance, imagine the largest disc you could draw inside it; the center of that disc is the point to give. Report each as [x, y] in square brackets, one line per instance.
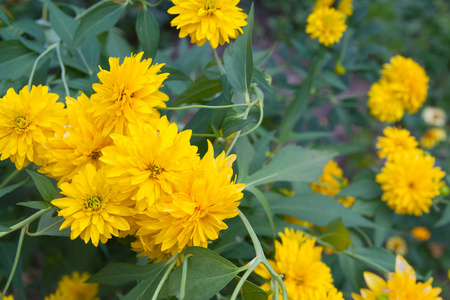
[97, 19]
[44, 186]
[4, 17]
[234, 125]
[117, 45]
[252, 291]
[238, 58]
[49, 225]
[365, 189]
[175, 74]
[262, 199]
[147, 30]
[34, 204]
[12, 187]
[16, 60]
[199, 90]
[293, 164]
[64, 25]
[245, 152]
[337, 235]
[375, 257]
[332, 79]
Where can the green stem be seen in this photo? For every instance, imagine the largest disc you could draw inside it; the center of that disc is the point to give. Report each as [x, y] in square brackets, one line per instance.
[255, 263]
[204, 135]
[183, 278]
[152, 5]
[205, 106]
[36, 61]
[16, 261]
[261, 117]
[363, 259]
[238, 134]
[63, 70]
[83, 59]
[170, 264]
[364, 235]
[9, 178]
[219, 62]
[26, 221]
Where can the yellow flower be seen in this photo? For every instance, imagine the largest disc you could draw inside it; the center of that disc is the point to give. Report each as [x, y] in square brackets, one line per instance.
[434, 116]
[400, 285]
[74, 288]
[410, 182]
[127, 93]
[327, 24]
[214, 20]
[298, 259]
[420, 233]
[27, 119]
[195, 212]
[395, 140]
[322, 294]
[408, 80]
[323, 3]
[347, 201]
[397, 244]
[432, 137]
[10, 297]
[81, 143]
[93, 210]
[150, 161]
[331, 181]
[383, 103]
[346, 7]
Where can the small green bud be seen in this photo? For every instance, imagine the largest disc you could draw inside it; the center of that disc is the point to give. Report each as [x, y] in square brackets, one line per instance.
[444, 190]
[339, 69]
[382, 297]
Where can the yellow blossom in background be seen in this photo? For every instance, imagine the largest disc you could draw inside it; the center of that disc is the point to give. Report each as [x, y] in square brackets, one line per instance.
[347, 201]
[27, 119]
[195, 212]
[322, 294]
[434, 116]
[93, 209]
[331, 181]
[410, 182]
[420, 233]
[395, 140]
[346, 7]
[408, 80]
[326, 24]
[75, 288]
[10, 297]
[298, 260]
[397, 244]
[127, 93]
[215, 21]
[323, 3]
[383, 103]
[150, 161]
[81, 143]
[432, 137]
[401, 284]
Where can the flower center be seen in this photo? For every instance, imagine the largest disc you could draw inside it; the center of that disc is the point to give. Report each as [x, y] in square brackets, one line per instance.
[210, 5]
[154, 170]
[21, 124]
[329, 21]
[94, 202]
[95, 154]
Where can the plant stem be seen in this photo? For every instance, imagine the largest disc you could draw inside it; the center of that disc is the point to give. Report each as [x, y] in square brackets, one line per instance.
[9, 178]
[183, 278]
[152, 5]
[255, 263]
[363, 259]
[261, 117]
[236, 137]
[16, 261]
[170, 264]
[26, 221]
[63, 70]
[83, 59]
[37, 60]
[219, 63]
[206, 106]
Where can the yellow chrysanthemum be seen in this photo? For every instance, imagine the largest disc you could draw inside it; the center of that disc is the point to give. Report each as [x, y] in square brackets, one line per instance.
[75, 288]
[397, 244]
[410, 182]
[346, 7]
[27, 119]
[127, 93]
[395, 140]
[323, 294]
[81, 143]
[383, 103]
[195, 212]
[214, 20]
[10, 297]
[323, 3]
[420, 233]
[331, 181]
[93, 209]
[327, 24]
[150, 161]
[408, 80]
[298, 259]
[432, 137]
[400, 285]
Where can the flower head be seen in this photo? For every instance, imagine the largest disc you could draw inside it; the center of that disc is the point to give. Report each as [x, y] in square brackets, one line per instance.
[327, 24]
[410, 182]
[74, 288]
[10, 297]
[331, 181]
[215, 21]
[322, 294]
[395, 140]
[434, 116]
[27, 119]
[346, 7]
[93, 209]
[432, 137]
[298, 259]
[127, 93]
[383, 103]
[397, 244]
[420, 233]
[399, 285]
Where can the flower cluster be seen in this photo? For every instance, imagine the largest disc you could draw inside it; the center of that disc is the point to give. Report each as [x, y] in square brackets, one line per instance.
[395, 140]
[432, 138]
[401, 284]
[403, 85]
[74, 288]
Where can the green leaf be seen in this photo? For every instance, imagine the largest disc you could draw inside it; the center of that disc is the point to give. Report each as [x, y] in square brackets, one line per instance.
[337, 235]
[262, 199]
[316, 208]
[384, 217]
[245, 152]
[253, 292]
[199, 90]
[4, 17]
[374, 256]
[258, 78]
[293, 164]
[365, 189]
[16, 60]
[121, 273]
[310, 135]
[147, 30]
[175, 74]
[44, 186]
[332, 79]
[232, 125]
[238, 58]
[12, 187]
[117, 45]
[352, 271]
[445, 217]
[97, 19]
[49, 225]
[344, 149]
[34, 204]
[64, 25]
[7, 255]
